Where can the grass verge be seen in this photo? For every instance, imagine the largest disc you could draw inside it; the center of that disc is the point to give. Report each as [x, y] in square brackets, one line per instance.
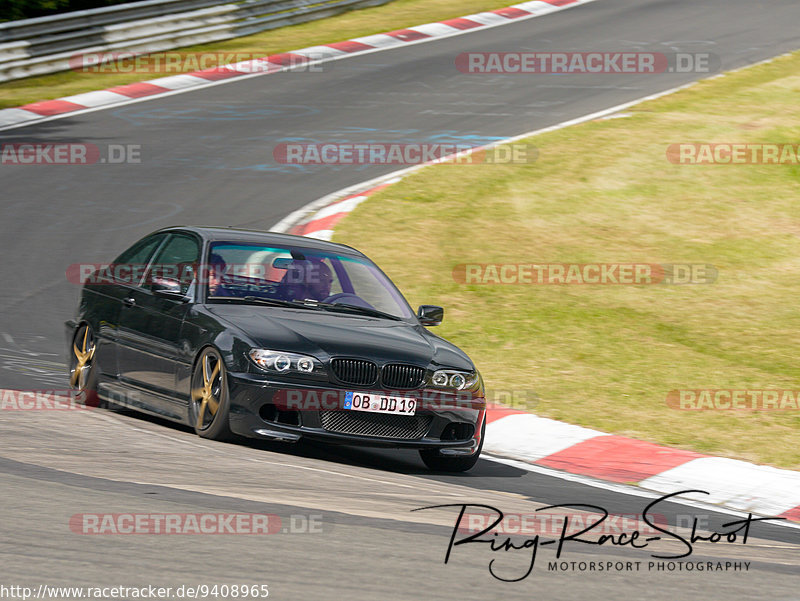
[395, 15]
[606, 357]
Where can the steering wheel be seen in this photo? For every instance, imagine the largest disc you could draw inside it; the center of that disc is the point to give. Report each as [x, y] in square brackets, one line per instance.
[346, 298]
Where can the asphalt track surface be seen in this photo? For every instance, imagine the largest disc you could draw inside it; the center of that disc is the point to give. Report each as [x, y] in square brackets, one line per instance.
[207, 159]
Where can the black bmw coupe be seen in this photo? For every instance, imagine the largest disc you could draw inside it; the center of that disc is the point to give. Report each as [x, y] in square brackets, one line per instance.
[273, 336]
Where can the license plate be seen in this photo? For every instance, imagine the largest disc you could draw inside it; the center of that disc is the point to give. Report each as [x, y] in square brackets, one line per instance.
[377, 403]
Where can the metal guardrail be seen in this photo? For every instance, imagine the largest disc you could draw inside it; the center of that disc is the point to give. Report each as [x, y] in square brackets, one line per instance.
[46, 44]
[28, 28]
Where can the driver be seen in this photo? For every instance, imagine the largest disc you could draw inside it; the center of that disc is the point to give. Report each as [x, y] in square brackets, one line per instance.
[216, 269]
[318, 280]
[307, 279]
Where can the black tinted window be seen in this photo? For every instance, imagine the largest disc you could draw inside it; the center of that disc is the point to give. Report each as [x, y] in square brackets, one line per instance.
[177, 259]
[130, 265]
[140, 252]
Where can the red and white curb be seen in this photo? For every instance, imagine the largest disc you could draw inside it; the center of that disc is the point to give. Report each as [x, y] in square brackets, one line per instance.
[734, 484]
[548, 443]
[285, 61]
[318, 219]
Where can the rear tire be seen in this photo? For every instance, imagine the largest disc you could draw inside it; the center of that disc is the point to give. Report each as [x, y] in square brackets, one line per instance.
[456, 463]
[83, 366]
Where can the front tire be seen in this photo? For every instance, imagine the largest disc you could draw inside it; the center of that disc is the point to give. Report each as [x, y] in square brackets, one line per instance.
[209, 405]
[444, 463]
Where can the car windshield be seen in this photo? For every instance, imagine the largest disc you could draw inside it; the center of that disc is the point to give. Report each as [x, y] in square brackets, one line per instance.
[249, 272]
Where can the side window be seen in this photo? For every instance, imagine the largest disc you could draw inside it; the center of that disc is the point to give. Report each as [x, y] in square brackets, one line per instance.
[130, 265]
[177, 260]
[141, 251]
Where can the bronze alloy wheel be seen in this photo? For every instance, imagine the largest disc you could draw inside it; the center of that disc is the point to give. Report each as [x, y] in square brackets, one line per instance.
[82, 375]
[209, 396]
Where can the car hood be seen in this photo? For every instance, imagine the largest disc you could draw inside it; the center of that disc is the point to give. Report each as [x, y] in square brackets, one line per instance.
[326, 334]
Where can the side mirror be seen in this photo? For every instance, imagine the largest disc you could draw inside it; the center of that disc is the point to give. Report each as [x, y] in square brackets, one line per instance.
[168, 288]
[430, 315]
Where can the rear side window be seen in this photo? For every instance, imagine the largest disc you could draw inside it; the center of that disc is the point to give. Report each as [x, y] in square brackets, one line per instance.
[140, 252]
[130, 265]
[177, 259]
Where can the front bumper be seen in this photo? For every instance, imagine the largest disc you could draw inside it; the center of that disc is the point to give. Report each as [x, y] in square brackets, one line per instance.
[252, 395]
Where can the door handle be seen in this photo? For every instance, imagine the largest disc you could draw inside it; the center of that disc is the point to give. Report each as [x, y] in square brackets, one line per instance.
[129, 302]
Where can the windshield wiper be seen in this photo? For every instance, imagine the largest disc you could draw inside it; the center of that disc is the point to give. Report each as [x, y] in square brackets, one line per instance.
[345, 308]
[273, 302]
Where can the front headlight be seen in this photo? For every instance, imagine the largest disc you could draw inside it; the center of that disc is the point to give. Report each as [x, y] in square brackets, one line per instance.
[453, 379]
[280, 362]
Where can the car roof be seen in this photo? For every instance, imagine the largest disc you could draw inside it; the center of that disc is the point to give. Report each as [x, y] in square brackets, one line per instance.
[239, 235]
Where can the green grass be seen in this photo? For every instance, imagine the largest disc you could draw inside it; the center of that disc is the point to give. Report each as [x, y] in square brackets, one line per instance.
[395, 15]
[606, 357]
